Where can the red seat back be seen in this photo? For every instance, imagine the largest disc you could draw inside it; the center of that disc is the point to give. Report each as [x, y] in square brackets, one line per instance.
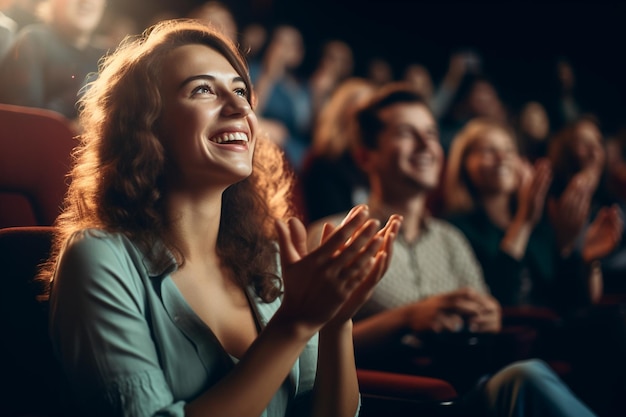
[35, 157]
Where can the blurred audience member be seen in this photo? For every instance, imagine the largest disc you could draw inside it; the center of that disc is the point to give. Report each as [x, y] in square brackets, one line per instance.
[569, 98]
[498, 200]
[336, 63]
[379, 71]
[614, 265]
[579, 158]
[533, 130]
[24, 12]
[579, 194]
[253, 40]
[577, 151]
[331, 181]
[440, 98]
[49, 62]
[282, 95]
[8, 28]
[477, 97]
[418, 77]
[114, 28]
[217, 14]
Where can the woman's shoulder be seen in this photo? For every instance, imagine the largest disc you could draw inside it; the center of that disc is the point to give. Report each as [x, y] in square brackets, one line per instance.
[101, 247]
[93, 259]
[97, 238]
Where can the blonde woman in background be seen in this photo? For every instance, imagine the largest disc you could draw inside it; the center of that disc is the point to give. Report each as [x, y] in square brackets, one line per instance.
[331, 181]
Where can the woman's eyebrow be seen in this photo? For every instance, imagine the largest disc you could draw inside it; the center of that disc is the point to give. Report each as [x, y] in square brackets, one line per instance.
[208, 78]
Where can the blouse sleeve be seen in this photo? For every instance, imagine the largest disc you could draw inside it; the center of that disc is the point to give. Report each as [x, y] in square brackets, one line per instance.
[101, 335]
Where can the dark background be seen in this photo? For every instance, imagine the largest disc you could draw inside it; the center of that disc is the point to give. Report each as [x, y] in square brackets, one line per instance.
[519, 41]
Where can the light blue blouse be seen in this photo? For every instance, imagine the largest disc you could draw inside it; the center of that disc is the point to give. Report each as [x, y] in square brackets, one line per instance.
[129, 343]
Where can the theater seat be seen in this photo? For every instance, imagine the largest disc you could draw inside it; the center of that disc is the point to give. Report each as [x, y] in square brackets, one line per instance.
[35, 148]
[29, 370]
[394, 394]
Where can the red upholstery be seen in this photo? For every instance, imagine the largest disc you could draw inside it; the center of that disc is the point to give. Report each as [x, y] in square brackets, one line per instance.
[28, 366]
[400, 395]
[404, 386]
[35, 147]
[526, 314]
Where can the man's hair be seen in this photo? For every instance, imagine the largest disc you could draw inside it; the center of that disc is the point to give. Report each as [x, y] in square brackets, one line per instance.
[368, 122]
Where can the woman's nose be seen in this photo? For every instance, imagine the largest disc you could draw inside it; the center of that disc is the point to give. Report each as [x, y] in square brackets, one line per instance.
[236, 105]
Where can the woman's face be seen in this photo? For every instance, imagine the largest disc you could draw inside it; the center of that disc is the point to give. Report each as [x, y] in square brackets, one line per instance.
[534, 121]
[207, 126]
[420, 79]
[492, 163]
[586, 145]
[289, 46]
[483, 100]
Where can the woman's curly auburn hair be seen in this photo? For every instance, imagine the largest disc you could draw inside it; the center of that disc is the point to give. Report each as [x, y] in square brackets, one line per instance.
[117, 181]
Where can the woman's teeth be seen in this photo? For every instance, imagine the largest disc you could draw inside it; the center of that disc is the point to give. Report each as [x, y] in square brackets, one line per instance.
[230, 137]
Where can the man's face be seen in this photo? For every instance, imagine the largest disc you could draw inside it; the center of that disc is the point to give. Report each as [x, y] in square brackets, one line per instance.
[409, 155]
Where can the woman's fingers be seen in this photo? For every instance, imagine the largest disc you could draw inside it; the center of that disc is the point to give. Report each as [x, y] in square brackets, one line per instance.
[298, 236]
[327, 230]
[288, 252]
[343, 234]
[349, 259]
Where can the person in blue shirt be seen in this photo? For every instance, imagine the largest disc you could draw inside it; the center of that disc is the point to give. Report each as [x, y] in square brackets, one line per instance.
[179, 285]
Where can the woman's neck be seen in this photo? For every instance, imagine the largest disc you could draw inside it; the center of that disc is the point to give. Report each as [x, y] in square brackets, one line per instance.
[498, 209]
[194, 224]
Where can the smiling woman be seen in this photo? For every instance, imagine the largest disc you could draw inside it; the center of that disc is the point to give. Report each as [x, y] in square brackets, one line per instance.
[168, 292]
[207, 119]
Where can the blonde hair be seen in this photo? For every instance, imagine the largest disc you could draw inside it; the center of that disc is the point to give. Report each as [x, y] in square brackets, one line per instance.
[458, 193]
[334, 133]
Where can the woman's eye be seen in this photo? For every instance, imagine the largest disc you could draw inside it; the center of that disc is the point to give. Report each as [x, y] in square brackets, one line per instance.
[402, 132]
[202, 89]
[433, 134]
[242, 92]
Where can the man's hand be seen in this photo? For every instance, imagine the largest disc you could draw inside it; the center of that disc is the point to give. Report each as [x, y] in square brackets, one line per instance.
[453, 310]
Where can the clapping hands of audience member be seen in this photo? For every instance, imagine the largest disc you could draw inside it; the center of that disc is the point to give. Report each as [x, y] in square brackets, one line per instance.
[534, 184]
[330, 283]
[454, 310]
[603, 234]
[569, 212]
[531, 196]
